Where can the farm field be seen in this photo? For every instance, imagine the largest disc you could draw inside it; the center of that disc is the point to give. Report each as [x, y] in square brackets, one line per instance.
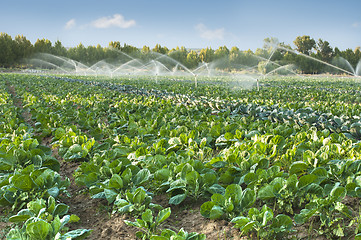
[85, 157]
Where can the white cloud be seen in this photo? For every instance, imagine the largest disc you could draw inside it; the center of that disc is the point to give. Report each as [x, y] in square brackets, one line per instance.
[209, 34]
[70, 24]
[356, 24]
[116, 20]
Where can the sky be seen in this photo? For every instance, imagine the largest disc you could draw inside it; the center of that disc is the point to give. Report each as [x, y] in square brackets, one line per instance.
[189, 23]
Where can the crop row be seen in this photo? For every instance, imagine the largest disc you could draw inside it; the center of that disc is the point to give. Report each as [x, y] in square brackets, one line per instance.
[30, 179]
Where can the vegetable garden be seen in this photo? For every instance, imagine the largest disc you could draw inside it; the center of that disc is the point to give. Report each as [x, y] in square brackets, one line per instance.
[280, 163]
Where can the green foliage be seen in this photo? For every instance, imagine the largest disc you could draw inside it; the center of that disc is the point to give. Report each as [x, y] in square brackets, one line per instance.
[263, 223]
[232, 203]
[135, 202]
[45, 220]
[148, 224]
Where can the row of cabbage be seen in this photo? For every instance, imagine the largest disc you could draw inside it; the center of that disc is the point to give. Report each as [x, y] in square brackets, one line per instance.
[30, 179]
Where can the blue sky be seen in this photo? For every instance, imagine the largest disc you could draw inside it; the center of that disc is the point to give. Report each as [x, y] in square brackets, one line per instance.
[189, 23]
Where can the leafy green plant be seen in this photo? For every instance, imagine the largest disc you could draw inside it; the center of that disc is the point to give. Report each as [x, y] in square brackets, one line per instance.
[135, 202]
[72, 145]
[41, 220]
[292, 191]
[180, 235]
[148, 224]
[233, 202]
[263, 223]
[329, 210]
[189, 182]
[29, 183]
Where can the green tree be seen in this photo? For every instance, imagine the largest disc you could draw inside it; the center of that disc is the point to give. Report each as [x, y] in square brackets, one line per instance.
[221, 56]
[22, 48]
[192, 59]
[159, 49]
[43, 46]
[179, 54]
[235, 57]
[145, 53]
[324, 51]
[206, 55]
[115, 45]
[130, 50]
[7, 56]
[304, 44]
[59, 49]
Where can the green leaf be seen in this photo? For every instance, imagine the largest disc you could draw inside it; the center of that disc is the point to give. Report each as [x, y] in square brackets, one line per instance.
[110, 195]
[298, 167]
[358, 236]
[56, 224]
[162, 174]
[216, 188]
[282, 223]
[248, 198]
[216, 212]
[315, 189]
[206, 209]
[218, 199]
[139, 196]
[304, 215]
[266, 192]
[338, 193]
[38, 230]
[77, 234]
[233, 191]
[267, 216]
[19, 218]
[59, 133]
[74, 218]
[177, 199]
[250, 177]
[23, 182]
[116, 182]
[141, 177]
[147, 216]
[60, 209]
[163, 215]
[306, 180]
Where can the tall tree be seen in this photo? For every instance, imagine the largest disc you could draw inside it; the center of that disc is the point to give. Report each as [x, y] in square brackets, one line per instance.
[206, 55]
[7, 56]
[324, 51]
[22, 48]
[59, 49]
[43, 46]
[179, 54]
[159, 49]
[235, 57]
[304, 44]
[192, 59]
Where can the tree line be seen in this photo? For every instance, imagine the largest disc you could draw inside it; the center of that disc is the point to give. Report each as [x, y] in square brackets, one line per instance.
[14, 52]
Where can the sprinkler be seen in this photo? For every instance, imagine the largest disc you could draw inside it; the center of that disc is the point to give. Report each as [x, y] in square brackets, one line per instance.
[257, 84]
